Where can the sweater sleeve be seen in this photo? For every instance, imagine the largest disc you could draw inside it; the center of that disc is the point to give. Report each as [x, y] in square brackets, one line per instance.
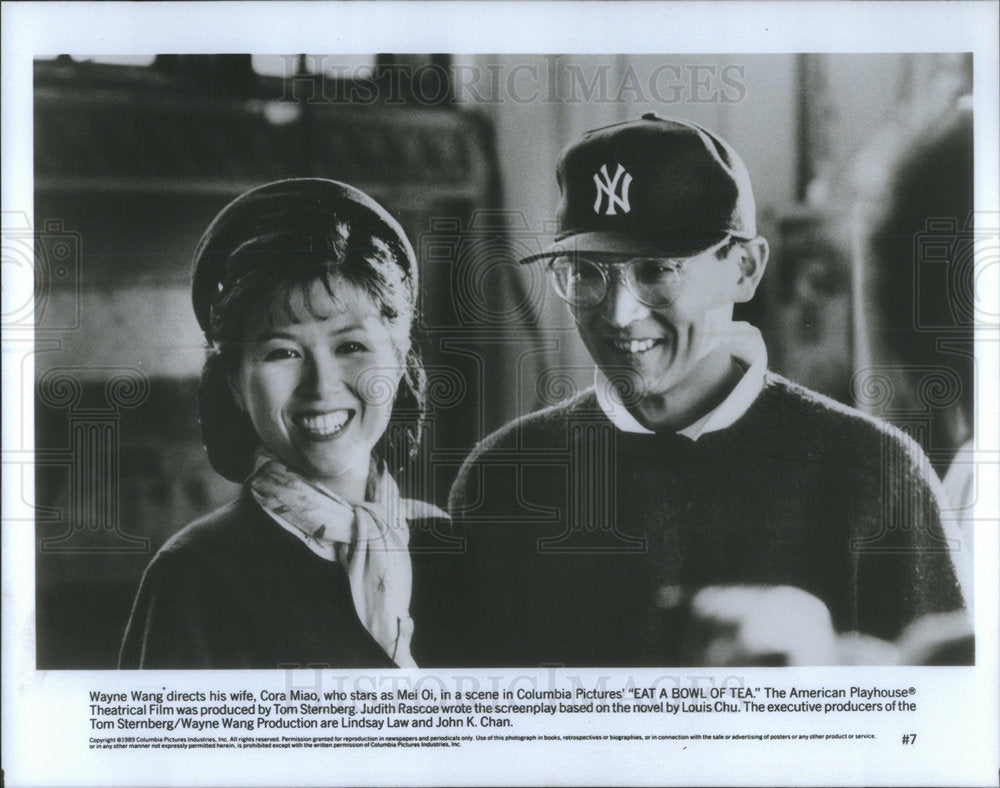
[440, 596]
[177, 620]
[465, 581]
[906, 564]
[488, 585]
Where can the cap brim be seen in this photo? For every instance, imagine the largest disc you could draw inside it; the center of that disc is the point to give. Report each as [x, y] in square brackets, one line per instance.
[622, 243]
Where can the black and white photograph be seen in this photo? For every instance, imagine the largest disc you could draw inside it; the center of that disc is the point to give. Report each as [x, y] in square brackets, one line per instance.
[613, 400]
[741, 470]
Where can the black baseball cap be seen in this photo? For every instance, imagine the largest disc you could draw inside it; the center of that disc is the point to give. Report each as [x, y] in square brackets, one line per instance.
[653, 186]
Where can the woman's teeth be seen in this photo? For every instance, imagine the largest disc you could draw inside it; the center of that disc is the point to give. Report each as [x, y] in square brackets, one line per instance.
[633, 346]
[324, 424]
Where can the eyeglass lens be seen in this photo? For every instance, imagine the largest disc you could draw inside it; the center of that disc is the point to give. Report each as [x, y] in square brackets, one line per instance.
[584, 283]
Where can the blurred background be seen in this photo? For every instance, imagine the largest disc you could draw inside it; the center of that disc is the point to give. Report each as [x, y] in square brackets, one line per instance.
[861, 164]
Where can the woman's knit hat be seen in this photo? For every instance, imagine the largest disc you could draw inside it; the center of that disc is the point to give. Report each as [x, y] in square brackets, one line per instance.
[279, 208]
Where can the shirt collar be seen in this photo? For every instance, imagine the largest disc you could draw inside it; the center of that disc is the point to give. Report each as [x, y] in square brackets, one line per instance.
[746, 346]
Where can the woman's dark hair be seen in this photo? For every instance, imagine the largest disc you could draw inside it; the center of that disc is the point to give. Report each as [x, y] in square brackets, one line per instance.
[280, 247]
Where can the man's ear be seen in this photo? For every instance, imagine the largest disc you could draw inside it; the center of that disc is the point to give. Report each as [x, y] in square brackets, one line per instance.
[752, 261]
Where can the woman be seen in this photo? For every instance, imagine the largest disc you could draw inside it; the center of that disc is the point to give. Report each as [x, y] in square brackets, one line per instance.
[306, 291]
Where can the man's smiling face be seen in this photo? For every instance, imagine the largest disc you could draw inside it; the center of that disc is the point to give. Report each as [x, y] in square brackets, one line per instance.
[652, 351]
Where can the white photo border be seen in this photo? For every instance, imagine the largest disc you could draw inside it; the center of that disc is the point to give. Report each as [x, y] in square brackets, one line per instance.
[44, 712]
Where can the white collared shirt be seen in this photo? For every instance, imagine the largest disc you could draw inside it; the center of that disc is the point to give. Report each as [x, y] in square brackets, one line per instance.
[746, 346]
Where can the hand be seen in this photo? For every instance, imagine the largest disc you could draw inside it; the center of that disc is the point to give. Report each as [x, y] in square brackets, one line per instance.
[759, 625]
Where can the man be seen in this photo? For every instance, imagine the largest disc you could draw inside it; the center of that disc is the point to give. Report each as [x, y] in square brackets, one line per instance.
[928, 206]
[595, 528]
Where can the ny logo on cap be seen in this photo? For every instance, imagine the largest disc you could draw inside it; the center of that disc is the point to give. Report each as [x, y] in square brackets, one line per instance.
[615, 188]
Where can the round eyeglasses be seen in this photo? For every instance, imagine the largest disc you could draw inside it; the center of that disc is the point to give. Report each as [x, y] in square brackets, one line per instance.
[583, 282]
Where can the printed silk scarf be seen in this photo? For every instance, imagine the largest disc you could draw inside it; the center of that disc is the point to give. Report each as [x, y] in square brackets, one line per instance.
[369, 539]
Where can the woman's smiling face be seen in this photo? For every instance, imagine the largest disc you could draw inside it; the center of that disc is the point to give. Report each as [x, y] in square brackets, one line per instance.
[319, 381]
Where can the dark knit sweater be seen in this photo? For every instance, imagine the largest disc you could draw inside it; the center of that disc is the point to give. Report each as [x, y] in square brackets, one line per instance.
[575, 528]
[236, 590]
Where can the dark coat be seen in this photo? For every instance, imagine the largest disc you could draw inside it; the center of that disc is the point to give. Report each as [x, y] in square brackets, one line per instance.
[236, 590]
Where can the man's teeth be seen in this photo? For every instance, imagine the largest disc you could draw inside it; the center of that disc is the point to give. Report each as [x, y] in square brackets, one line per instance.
[633, 346]
[325, 423]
